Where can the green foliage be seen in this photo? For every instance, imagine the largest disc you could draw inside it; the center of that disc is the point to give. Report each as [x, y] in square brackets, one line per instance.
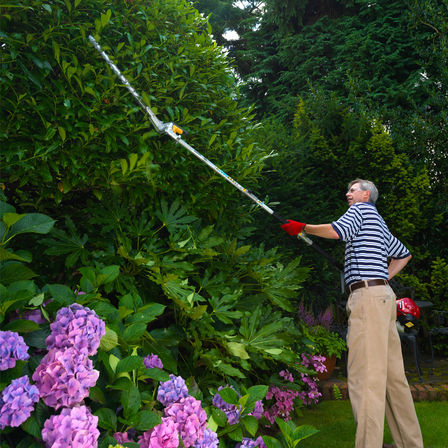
[84, 136]
[325, 342]
[198, 298]
[292, 434]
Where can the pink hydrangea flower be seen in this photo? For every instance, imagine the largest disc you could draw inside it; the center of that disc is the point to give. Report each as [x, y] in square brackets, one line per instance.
[72, 428]
[122, 437]
[12, 349]
[64, 377]
[190, 419]
[258, 410]
[164, 435]
[76, 326]
[17, 402]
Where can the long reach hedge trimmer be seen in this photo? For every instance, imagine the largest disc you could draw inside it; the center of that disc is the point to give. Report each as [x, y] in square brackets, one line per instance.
[175, 132]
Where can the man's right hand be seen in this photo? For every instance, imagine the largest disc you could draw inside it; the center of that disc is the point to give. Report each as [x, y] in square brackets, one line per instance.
[293, 227]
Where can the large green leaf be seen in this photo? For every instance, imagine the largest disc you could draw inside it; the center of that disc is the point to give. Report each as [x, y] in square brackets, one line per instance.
[13, 272]
[32, 223]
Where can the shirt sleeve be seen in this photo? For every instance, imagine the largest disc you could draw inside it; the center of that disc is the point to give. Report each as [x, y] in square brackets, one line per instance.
[397, 249]
[348, 225]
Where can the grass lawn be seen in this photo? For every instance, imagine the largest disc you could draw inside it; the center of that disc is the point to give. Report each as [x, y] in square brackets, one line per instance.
[334, 419]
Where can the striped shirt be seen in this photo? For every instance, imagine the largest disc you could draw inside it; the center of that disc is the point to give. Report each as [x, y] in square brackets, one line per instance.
[369, 243]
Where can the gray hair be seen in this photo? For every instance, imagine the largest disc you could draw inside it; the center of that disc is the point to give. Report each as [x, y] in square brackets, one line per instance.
[366, 185]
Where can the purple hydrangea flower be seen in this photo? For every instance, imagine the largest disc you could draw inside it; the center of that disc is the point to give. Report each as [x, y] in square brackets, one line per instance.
[231, 410]
[246, 443]
[210, 440]
[12, 349]
[152, 361]
[64, 377]
[164, 435]
[76, 326]
[260, 442]
[72, 428]
[190, 419]
[258, 410]
[172, 390]
[17, 402]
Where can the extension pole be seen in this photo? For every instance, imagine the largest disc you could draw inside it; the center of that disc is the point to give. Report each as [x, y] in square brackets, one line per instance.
[175, 132]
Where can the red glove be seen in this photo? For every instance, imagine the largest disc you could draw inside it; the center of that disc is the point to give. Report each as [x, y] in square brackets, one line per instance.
[293, 227]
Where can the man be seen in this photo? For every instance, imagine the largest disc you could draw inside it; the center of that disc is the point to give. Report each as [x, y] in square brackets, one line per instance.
[376, 379]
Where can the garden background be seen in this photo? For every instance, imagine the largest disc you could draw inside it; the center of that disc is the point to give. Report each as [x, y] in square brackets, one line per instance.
[99, 209]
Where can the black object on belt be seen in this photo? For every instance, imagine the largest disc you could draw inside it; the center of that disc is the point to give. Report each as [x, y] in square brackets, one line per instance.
[365, 283]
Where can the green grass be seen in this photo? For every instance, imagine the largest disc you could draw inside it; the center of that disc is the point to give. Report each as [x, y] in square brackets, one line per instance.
[334, 419]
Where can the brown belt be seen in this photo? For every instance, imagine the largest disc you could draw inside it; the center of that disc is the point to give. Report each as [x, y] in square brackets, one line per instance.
[365, 283]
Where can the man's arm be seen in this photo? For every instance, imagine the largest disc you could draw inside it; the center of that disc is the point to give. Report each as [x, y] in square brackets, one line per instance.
[322, 230]
[397, 264]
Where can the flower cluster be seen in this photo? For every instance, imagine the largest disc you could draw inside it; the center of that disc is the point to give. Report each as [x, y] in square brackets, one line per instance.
[210, 440]
[164, 435]
[122, 437]
[249, 443]
[231, 410]
[190, 419]
[324, 319]
[172, 390]
[64, 377]
[283, 399]
[184, 418]
[283, 405]
[152, 361]
[316, 362]
[12, 349]
[17, 402]
[76, 326]
[258, 410]
[73, 427]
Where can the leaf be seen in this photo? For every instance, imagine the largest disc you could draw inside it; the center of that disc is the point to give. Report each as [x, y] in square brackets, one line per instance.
[147, 420]
[237, 349]
[175, 216]
[62, 294]
[22, 326]
[251, 424]
[107, 274]
[134, 331]
[129, 364]
[229, 395]
[303, 432]
[32, 223]
[11, 218]
[219, 417]
[271, 442]
[130, 400]
[109, 340]
[14, 271]
[146, 314]
[107, 419]
[157, 374]
[7, 255]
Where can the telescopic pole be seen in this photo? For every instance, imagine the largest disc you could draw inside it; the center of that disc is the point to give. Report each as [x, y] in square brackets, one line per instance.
[175, 132]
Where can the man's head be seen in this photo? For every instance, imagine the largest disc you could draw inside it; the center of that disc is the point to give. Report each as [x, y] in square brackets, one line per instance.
[360, 190]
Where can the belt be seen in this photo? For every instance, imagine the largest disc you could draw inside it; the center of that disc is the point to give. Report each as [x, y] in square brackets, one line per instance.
[366, 283]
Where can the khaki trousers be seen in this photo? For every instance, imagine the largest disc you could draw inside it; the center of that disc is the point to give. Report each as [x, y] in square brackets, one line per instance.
[377, 383]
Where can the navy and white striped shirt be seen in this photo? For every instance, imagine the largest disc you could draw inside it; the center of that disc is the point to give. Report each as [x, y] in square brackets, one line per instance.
[369, 243]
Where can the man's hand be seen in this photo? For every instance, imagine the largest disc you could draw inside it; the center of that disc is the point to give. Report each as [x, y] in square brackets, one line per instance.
[293, 227]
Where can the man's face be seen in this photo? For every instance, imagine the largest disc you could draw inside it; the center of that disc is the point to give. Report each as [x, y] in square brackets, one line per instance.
[355, 194]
